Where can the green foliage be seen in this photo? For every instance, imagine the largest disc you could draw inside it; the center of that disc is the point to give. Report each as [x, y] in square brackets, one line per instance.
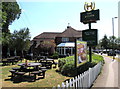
[10, 12]
[97, 58]
[104, 42]
[55, 55]
[61, 63]
[67, 67]
[46, 47]
[85, 66]
[5, 38]
[109, 43]
[19, 40]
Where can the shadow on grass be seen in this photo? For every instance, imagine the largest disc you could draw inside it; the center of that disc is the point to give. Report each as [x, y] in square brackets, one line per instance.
[24, 78]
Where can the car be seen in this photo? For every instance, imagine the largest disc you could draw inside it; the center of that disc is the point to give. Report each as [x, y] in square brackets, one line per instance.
[111, 53]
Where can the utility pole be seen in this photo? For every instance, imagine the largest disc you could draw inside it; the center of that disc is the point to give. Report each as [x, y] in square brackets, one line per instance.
[113, 37]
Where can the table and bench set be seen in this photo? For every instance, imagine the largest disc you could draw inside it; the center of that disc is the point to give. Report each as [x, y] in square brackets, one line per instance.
[10, 60]
[32, 69]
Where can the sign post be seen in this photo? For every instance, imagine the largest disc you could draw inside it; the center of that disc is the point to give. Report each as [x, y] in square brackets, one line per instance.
[88, 17]
[90, 51]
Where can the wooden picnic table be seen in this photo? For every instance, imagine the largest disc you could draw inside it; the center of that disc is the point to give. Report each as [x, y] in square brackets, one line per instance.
[26, 68]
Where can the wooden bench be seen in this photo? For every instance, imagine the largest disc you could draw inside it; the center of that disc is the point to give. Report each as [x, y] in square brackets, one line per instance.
[43, 72]
[12, 73]
[42, 68]
[35, 73]
[39, 73]
[16, 68]
[20, 75]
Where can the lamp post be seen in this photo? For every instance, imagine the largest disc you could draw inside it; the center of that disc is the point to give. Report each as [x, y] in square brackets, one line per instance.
[113, 37]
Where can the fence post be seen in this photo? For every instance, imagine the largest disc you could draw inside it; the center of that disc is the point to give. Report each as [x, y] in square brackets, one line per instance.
[53, 87]
[67, 84]
[58, 87]
[73, 82]
[70, 82]
[82, 80]
[89, 77]
[76, 82]
[63, 85]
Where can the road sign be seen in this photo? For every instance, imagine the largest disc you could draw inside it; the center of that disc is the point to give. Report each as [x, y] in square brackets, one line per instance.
[91, 36]
[89, 16]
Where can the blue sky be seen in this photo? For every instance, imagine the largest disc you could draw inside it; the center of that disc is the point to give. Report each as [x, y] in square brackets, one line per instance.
[54, 15]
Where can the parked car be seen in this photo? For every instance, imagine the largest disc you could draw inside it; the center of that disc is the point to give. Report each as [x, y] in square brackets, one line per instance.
[111, 53]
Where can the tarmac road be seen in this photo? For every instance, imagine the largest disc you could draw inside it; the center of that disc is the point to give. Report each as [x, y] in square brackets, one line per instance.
[108, 79]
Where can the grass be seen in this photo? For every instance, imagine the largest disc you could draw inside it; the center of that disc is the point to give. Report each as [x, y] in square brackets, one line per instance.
[52, 78]
[96, 58]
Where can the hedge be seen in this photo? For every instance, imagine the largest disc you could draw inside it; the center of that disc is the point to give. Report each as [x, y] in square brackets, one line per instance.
[67, 68]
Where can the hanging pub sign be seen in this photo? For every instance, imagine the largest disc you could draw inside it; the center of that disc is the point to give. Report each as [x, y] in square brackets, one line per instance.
[91, 36]
[90, 15]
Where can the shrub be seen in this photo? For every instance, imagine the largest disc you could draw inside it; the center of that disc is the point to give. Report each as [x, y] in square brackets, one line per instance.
[61, 62]
[68, 69]
[66, 65]
[84, 67]
[55, 55]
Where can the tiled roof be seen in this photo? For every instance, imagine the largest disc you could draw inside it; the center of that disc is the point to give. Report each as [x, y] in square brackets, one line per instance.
[47, 35]
[70, 32]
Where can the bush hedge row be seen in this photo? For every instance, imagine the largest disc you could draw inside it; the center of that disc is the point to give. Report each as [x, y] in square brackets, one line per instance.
[67, 68]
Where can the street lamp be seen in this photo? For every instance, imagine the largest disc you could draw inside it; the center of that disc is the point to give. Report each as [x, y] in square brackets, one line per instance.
[113, 36]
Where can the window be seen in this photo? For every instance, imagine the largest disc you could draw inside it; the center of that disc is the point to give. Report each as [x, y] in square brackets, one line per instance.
[65, 39]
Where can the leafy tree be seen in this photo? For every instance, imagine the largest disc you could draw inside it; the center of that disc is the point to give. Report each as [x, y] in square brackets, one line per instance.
[5, 42]
[105, 42]
[46, 47]
[10, 12]
[118, 43]
[21, 40]
[112, 42]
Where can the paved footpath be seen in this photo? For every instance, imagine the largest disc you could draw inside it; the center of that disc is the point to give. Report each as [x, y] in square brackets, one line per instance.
[109, 75]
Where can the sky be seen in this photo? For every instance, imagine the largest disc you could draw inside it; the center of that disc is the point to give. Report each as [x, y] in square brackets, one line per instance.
[54, 15]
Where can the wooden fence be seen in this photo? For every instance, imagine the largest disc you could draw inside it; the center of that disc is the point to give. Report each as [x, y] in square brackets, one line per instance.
[82, 81]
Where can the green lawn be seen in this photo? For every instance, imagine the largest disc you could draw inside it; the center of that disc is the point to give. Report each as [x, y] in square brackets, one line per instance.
[52, 78]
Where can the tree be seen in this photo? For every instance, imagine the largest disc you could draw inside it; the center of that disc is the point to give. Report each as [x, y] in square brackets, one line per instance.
[105, 42]
[112, 42]
[10, 12]
[21, 41]
[5, 39]
[46, 47]
[118, 43]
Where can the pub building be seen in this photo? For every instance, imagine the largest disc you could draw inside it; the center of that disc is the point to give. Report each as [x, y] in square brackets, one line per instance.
[65, 41]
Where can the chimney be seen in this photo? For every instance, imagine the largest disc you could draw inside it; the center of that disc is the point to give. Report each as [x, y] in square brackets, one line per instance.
[68, 25]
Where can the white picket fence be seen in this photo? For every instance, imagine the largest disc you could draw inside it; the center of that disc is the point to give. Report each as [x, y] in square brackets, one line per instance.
[82, 81]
